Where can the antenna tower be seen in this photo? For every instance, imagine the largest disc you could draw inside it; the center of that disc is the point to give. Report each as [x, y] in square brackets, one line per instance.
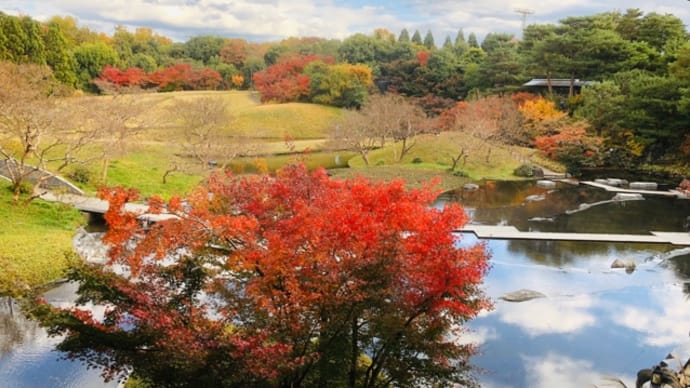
[524, 12]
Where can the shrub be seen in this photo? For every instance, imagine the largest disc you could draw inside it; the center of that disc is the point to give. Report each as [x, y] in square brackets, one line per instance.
[80, 174]
[525, 170]
[417, 160]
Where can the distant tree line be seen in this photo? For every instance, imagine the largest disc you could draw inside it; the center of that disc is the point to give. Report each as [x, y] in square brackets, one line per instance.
[640, 104]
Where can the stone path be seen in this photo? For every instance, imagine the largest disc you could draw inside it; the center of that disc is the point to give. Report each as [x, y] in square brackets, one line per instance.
[50, 180]
[511, 233]
[614, 189]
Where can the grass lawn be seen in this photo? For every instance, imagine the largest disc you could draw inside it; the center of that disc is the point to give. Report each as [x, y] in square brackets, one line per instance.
[435, 152]
[274, 121]
[33, 241]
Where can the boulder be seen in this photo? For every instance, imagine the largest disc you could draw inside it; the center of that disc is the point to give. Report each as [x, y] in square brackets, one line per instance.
[546, 184]
[643, 185]
[630, 267]
[618, 263]
[537, 172]
[470, 186]
[522, 295]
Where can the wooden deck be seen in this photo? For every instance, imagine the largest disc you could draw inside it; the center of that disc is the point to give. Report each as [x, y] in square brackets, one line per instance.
[511, 233]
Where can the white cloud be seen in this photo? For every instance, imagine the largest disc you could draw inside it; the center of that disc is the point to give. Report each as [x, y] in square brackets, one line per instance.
[666, 324]
[556, 370]
[477, 336]
[561, 316]
[274, 19]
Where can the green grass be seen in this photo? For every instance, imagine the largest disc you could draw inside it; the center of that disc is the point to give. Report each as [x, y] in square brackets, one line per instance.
[485, 159]
[144, 171]
[311, 161]
[300, 121]
[33, 242]
[414, 177]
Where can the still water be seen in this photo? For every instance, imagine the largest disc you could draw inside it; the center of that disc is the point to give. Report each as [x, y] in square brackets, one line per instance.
[27, 355]
[595, 323]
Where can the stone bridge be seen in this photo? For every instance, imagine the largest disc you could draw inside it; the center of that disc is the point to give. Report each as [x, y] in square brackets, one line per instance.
[50, 181]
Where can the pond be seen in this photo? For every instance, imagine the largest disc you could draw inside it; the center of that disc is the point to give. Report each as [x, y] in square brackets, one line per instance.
[27, 355]
[595, 323]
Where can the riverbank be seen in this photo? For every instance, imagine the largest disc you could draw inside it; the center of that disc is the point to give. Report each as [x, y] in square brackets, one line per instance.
[34, 241]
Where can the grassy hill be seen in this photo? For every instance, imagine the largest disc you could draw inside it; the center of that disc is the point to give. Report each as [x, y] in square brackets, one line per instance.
[263, 127]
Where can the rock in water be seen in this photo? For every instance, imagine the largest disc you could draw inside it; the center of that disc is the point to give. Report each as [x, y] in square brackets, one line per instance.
[546, 184]
[618, 263]
[522, 295]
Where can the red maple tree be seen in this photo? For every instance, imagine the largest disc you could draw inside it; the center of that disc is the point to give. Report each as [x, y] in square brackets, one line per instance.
[285, 81]
[291, 280]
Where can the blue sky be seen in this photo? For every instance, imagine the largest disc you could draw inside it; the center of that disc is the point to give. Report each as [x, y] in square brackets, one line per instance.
[271, 20]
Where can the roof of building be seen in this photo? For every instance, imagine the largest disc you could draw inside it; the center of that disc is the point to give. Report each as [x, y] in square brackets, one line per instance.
[556, 82]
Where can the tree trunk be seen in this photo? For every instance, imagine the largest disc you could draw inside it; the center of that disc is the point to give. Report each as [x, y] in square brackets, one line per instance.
[549, 85]
[365, 157]
[352, 378]
[571, 90]
[106, 164]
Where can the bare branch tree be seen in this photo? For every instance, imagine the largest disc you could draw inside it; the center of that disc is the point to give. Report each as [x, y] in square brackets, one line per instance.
[38, 130]
[358, 133]
[382, 117]
[205, 138]
[118, 119]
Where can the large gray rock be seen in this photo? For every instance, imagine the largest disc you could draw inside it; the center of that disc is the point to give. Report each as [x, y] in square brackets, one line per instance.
[470, 186]
[547, 184]
[522, 295]
[537, 172]
[629, 266]
[643, 185]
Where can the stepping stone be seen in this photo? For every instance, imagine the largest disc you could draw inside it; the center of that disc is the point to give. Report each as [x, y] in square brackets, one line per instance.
[522, 295]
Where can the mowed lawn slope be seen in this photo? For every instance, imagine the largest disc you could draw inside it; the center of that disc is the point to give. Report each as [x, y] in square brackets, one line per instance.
[263, 127]
[431, 156]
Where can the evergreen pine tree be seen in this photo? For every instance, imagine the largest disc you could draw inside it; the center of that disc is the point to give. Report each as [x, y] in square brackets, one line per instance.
[34, 49]
[404, 36]
[429, 41]
[460, 38]
[417, 37]
[472, 40]
[448, 44]
[58, 56]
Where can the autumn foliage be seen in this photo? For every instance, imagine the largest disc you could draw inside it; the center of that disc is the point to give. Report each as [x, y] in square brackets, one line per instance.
[180, 76]
[572, 146]
[284, 81]
[292, 280]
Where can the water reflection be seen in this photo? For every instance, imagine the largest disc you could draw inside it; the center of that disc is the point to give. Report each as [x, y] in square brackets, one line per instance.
[596, 323]
[27, 355]
[27, 358]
